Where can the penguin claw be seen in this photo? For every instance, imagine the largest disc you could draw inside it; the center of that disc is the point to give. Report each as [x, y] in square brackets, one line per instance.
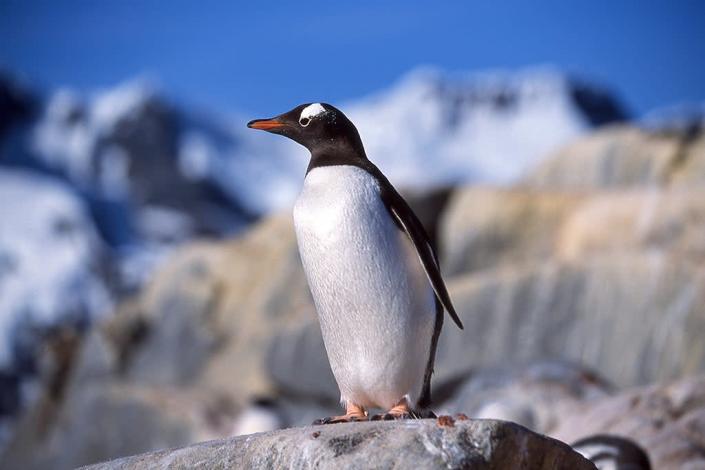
[392, 416]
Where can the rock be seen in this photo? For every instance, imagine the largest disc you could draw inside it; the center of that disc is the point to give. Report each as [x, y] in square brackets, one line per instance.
[226, 302]
[666, 420]
[491, 228]
[526, 394]
[298, 365]
[100, 421]
[636, 318]
[428, 206]
[621, 156]
[409, 444]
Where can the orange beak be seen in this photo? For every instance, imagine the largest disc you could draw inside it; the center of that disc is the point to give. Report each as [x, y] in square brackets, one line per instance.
[265, 124]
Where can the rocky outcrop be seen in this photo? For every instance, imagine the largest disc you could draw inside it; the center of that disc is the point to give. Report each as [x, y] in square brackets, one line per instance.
[624, 155]
[666, 420]
[576, 275]
[526, 394]
[490, 228]
[635, 318]
[445, 442]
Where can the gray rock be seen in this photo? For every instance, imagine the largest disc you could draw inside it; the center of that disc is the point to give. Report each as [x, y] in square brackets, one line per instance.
[621, 156]
[668, 421]
[408, 444]
[526, 395]
[98, 422]
[298, 365]
[635, 318]
[491, 228]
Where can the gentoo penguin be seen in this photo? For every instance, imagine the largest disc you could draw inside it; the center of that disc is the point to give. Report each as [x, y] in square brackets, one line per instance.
[610, 452]
[373, 274]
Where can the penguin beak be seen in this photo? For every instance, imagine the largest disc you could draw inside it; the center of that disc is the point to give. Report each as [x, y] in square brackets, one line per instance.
[266, 124]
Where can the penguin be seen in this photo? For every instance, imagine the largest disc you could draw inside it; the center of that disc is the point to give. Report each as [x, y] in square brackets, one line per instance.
[612, 452]
[373, 275]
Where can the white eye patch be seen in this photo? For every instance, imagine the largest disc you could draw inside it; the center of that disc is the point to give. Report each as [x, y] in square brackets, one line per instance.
[310, 112]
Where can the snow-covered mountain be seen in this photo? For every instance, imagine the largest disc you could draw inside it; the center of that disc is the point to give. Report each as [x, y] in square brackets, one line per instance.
[430, 129]
[50, 259]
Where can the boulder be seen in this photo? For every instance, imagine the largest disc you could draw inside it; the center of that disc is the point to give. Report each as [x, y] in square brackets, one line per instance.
[668, 421]
[486, 227]
[526, 394]
[491, 227]
[225, 301]
[445, 443]
[624, 155]
[636, 318]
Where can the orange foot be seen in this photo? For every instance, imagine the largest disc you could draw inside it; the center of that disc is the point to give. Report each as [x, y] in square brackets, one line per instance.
[353, 413]
[400, 411]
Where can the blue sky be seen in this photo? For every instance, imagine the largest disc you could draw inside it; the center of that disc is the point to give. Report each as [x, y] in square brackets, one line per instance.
[265, 57]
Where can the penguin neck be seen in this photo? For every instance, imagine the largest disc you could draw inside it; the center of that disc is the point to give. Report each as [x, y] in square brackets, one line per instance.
[337, 153]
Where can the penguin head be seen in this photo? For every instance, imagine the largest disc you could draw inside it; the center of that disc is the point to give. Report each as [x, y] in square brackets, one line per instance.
[316, 126]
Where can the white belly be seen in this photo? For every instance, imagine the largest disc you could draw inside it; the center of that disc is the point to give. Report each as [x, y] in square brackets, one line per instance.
[374, 302]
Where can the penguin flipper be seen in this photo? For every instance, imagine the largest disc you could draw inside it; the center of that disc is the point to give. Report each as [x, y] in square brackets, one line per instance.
[410, 224]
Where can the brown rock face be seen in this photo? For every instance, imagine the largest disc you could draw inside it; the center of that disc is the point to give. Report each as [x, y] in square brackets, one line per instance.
[409, 444]
[492, 228]
[621, 156]
[226, 301]
[489, 227]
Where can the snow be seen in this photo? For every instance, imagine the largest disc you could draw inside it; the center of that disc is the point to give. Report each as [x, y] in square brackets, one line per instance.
[48, 250]
[70, 134]
[429, 129]
[432, 130]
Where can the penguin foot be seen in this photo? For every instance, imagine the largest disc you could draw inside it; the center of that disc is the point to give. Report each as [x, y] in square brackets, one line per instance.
[391, 416]
[353, 414]
[400, 411]
[411, 414]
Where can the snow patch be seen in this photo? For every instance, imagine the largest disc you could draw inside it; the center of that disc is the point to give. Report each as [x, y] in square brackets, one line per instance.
[48, 248]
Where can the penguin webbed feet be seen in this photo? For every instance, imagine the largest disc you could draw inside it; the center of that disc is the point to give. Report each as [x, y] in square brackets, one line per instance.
[353, 414]
[402, 410]
[409, 414]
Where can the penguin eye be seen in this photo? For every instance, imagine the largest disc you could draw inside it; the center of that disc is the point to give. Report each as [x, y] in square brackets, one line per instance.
[304, 121]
